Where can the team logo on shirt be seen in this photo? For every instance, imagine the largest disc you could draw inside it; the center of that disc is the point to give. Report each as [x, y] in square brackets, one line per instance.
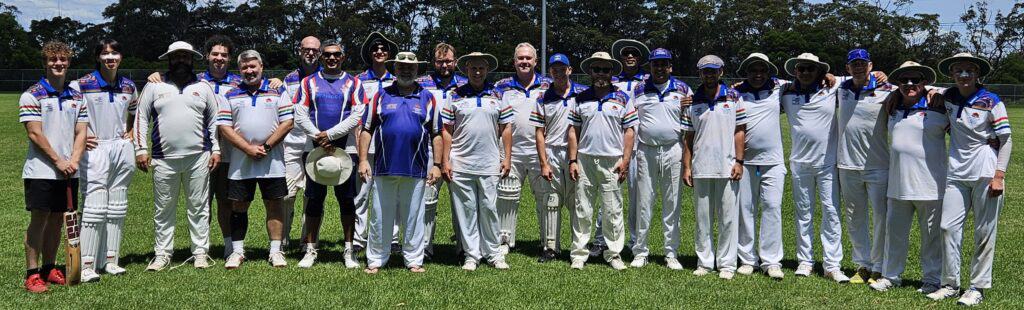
[269, 100]
[391, 106]
[195, 93]
[725, 105]
[124, 97]
[418, 109]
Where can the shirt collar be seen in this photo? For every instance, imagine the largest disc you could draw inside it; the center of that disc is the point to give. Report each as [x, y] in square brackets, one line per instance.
[640, 73]
[651, 88]
[264, 87]
[591, 95]
[700, 97]
[103, 83]
[302, 72]
[52, 92]
[959, 99]
[467, 90]
[747, 88]
[387, 75]
[455, 81]
[228, 78]
[537, 81]
[551, 95]
[395, 90]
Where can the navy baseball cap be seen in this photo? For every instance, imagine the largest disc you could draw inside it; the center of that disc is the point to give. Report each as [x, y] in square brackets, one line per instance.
[559, 59]
[858, 54]
[660, 53]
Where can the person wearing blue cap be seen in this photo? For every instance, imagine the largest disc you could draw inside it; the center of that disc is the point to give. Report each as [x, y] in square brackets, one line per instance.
[715, 129]
[863, 162]
[659, 102]
[550, 117]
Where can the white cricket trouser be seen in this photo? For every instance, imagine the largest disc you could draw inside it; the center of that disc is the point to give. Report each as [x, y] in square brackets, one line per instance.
[523, 167]
[558, 193]
[169, 175]
[658, 169]
[716, 198]
[474, 197]
[631, 213]
[761, 189]
[960, 198]
[105, 173]
[897, 237]
[295, 176]
[861, 188]
[598, 183]
[362, 203]
[396, 199]
[808, 181]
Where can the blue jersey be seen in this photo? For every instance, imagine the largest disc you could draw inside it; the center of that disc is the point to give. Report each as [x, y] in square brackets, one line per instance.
[403, 128]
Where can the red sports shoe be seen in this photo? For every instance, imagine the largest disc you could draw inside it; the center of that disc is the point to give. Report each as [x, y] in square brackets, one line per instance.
[35, 284]
[56, 277]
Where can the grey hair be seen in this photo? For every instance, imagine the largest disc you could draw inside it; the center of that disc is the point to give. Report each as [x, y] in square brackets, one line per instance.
[332, 43]
[248, 55]
[527, 45]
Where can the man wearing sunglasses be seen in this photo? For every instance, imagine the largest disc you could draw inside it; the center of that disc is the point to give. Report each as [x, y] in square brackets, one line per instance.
[863, 162]
[309, 63]
[600, 147]
[810, 105]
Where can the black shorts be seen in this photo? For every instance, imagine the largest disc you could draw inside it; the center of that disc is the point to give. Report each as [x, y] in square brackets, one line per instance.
[50, 195]
[219, 182]
[245, 190]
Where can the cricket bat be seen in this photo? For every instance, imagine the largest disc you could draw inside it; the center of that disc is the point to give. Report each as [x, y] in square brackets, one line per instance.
[73, 263]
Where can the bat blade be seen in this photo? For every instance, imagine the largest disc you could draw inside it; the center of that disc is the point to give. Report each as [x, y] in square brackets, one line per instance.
[73, 262]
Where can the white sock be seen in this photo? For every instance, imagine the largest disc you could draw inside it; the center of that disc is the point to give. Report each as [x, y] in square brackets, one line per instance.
[238, 246]
[348, 245]
[275, 246]
[310, 246]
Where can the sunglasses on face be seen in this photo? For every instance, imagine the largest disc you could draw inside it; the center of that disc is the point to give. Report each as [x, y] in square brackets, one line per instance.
[806, 69]
[910, 80]
[332, 54]
[604, 70]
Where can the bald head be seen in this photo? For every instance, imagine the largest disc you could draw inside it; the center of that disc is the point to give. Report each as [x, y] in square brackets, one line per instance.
[309, 51]
[310, 41]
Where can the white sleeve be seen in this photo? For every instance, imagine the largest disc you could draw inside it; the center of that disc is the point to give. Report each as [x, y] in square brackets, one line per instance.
[141, 128]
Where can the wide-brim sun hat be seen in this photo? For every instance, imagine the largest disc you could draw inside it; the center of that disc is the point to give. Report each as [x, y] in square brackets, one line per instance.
[984, 68]
[599, 57]
[181, 46]
[910, 67]
[367, 55]
[791, 64]
[619, 45]
[755, 58]
[329, 169]
[492, 62]
[405, 58]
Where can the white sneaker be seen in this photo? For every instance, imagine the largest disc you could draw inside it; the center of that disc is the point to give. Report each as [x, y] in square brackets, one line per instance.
[726, 275]
[701, 271]
[745, 270]
[673, 263]
[308, 259]
[838, 276]
[90, 275]
[158, 263]
[234, 260]
[114, 269]
[577, 264]
[617, 263]
[971, 297]
[500, 264]
[944, 292]
[928, 288]
[469, 264]
[350, 259]
[775, 272]
[804, 270]
[881, 285]
[638, 262]
[202, 261]
[277, 260]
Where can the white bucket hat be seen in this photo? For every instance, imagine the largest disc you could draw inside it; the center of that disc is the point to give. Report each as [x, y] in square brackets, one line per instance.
[405, 58]
[754, 58]
[598, 57]
[328, 169]
[984, 68]
[909, 66]
[181, 46]
[805, 58]
[492, 62]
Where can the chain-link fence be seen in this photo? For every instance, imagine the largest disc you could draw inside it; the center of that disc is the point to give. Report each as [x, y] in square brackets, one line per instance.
[17, 80]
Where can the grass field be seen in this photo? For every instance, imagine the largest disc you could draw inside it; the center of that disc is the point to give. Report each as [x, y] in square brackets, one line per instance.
[527, 285]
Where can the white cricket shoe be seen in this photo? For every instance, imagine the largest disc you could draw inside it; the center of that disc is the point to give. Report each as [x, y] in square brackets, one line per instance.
[804, 270]
[469, 264]
[277, 260]
[114, 269]
[350, 259]
[638, 262]
[617, 263]
[159, 263]
[971, 297]
[90, 275]
[308, 259]
[202, 261]
[726, 275]
[838, 276]
[701, 271]
[775, 272]
[673, 263]
[745, 270]
[577, 264]
[500, 264]
[234, 260]
[882, 285]
[944, 292]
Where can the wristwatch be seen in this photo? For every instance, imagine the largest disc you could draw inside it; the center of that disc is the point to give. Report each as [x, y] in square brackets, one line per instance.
[266, 147]
[438, 165]
[739, 161]
[573, 161]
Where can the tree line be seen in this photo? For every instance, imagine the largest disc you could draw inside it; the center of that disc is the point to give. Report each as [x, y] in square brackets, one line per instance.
[689, 28]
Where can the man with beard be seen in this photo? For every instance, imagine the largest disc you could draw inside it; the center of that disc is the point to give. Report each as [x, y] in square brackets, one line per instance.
[295, 141]
[439, 83]
[521, 92]
[184, 151]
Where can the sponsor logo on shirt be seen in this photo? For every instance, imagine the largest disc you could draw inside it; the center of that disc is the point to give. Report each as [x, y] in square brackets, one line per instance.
[391, 106]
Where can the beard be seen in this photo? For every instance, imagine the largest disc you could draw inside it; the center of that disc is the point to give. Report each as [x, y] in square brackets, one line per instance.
[179, 69]
[602, 83]
[405, 82]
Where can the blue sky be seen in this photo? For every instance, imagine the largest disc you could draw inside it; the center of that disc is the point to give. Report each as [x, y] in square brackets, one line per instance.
[91, 10]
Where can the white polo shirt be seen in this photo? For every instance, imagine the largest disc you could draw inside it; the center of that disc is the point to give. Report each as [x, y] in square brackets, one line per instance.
[813, 131]
[863, 143]
[714, 122]
[58, 113]
[255, 115]
[763, 145]
[552, 111]
[183, 119]
[523, 98]
[603, 122]
[973, 120]
[659, 110]
[917, 169]
[109, 105]
[475, 117]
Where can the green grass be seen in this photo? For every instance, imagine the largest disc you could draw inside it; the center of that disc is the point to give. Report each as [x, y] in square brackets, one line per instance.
[527, 285]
